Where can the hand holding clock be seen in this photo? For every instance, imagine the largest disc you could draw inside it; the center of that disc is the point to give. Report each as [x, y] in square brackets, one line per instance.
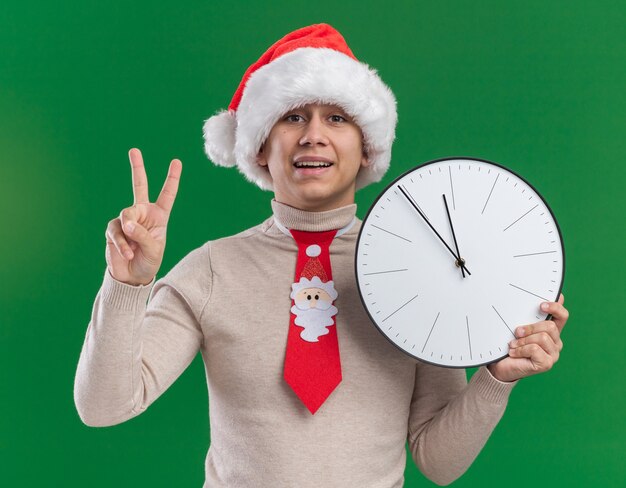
[536, 348]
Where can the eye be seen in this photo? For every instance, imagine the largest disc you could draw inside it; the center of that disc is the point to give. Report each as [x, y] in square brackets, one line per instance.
[294, 118]
[337, 118]
[317, 297]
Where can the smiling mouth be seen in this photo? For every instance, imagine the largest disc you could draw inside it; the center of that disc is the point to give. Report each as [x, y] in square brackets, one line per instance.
[312, 164]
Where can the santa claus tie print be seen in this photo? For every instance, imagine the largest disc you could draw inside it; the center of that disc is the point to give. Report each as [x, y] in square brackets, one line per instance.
[313, 297]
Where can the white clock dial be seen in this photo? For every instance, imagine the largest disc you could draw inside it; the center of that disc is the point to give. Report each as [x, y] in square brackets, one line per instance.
[410, 280]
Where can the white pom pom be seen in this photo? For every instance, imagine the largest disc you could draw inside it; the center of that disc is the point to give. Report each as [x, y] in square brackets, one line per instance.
[313, 251]
[219, 138]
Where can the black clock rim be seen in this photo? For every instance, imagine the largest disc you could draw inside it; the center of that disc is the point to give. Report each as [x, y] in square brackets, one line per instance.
[433, 161]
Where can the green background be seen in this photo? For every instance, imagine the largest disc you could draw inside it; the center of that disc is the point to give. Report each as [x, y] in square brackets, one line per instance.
[537, 86]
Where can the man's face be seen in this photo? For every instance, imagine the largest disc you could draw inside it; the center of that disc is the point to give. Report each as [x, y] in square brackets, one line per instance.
[313, 155]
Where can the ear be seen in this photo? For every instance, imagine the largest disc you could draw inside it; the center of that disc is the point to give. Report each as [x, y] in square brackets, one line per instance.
[365, 162]
[261, 159]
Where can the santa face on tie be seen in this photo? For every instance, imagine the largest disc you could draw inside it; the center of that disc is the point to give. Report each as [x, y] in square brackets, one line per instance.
[313, 306]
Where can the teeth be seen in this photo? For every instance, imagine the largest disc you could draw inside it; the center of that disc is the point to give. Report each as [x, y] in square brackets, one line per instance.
[312, 164]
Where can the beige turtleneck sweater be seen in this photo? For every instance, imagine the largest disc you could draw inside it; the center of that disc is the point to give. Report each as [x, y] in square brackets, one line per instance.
[229, 300]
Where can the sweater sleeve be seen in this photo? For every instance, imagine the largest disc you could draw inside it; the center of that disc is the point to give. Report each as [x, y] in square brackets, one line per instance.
[451, 420]
[133, 350]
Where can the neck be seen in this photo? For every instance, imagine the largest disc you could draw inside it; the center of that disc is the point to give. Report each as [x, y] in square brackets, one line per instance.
[312, 221]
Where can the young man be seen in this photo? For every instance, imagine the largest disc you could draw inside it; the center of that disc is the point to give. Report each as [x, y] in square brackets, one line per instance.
[303, 390]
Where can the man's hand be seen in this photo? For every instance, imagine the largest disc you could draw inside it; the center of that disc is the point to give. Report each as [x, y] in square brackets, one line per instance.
[136, 239]
[536, 347]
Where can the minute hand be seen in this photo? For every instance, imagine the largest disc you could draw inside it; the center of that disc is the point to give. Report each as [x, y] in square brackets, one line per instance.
[433, 229]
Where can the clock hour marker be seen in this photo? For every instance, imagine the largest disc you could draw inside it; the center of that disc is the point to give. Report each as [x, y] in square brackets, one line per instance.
[452, 188]
[469, 341]
[388, 271]
[534, 254]
[521, 217]
[507, 325]
[389, 232]
[431, 331]
[399, 308]
[529, 292]
[494, 185]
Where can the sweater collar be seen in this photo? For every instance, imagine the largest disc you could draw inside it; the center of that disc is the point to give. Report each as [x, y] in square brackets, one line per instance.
[294, 218]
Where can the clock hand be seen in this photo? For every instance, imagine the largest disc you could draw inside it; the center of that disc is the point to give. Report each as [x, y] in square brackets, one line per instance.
[460, 260]
[404, 192]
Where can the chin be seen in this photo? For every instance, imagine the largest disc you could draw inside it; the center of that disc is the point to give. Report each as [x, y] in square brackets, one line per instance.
[320, 197]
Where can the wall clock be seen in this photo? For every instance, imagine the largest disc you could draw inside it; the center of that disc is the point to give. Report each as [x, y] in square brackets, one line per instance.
[453, 256]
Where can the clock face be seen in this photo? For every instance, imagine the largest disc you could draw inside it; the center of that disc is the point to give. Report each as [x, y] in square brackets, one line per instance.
[458, 308]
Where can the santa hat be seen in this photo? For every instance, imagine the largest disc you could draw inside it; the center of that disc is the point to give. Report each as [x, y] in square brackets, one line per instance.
[313, 274]
[310, 65]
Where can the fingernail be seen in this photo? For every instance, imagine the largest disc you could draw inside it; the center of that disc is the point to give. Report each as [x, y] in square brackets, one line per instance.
[512, 343]
[520, 332]
[545, 306]
[130, 227]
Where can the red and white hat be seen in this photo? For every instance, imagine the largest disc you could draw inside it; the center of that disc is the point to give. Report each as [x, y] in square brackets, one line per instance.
[313, 275]
[310, 65]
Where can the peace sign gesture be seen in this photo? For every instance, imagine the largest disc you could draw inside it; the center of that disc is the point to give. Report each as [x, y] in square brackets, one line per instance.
[136, 239]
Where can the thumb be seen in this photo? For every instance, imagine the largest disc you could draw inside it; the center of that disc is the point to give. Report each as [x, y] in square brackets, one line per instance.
[141, 236]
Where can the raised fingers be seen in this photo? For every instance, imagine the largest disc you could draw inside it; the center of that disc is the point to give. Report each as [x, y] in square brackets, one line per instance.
[140, 180]
[170, 187]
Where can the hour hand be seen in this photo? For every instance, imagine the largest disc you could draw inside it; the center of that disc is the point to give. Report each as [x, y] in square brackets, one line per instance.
[460, 260]
[414, 205]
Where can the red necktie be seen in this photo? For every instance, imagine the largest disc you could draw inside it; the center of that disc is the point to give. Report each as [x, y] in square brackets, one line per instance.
[312, 363]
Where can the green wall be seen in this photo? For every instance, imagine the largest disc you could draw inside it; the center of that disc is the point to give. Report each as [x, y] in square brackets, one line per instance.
[538, 86]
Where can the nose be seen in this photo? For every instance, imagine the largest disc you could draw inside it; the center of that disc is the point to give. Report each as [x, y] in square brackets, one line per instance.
[314, 132]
